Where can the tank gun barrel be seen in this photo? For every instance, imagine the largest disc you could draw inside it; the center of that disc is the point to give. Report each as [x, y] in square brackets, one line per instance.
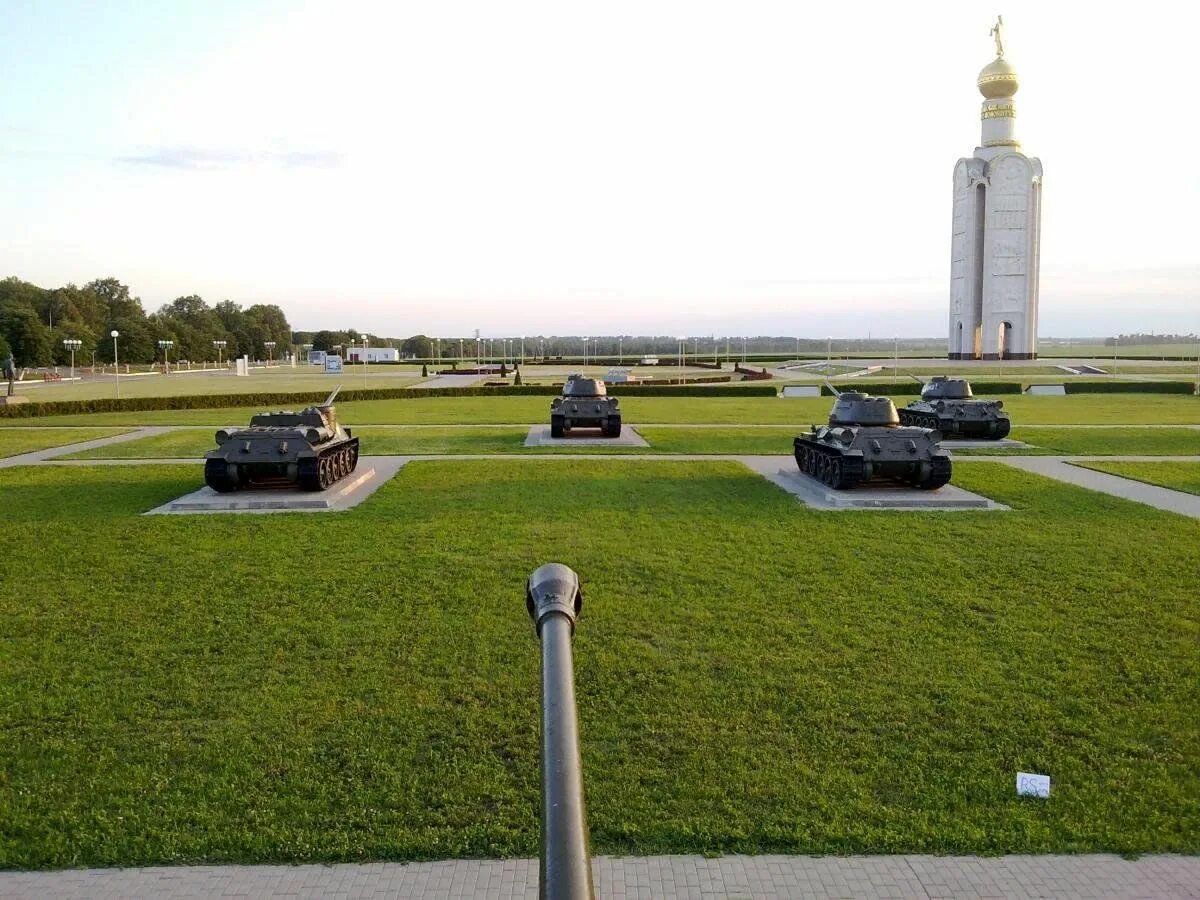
[829, 384]
[329, 399]
[554, 600]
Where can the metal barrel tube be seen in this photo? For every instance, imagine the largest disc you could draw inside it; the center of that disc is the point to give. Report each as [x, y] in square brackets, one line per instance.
[554, 601]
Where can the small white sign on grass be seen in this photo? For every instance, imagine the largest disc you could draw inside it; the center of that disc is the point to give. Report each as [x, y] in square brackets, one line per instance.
[1031, 785]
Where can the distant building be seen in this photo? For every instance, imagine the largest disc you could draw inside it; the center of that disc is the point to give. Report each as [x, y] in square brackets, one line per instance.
[374, 354]
[997, 233]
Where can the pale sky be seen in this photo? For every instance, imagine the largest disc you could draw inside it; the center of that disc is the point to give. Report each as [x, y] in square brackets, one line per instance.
[561, 167]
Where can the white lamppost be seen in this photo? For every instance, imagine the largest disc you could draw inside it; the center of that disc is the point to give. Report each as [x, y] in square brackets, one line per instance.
[114, 334]
[270, 345]
[585, 352]
[828, 354]
[682, 354]
[621, 349]
[896, 361]
[522, 349]
[72, 344]
[220, 345]
[165, 347]
[743, 351]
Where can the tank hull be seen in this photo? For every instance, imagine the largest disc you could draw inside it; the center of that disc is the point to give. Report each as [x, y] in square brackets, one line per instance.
[567, 414]
[907, 455]
[963, 419]
[250, 461]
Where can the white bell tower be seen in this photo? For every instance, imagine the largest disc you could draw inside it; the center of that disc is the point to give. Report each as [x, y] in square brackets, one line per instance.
[996, 244]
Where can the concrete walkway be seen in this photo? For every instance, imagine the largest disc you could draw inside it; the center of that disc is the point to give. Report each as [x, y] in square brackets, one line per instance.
[50, 453]
[1060, 468]
[658, 877]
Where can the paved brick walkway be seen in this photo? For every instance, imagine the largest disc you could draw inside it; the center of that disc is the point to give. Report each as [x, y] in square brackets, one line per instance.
[659, 877]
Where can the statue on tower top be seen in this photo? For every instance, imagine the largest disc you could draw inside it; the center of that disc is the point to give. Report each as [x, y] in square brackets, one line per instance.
[995, 32]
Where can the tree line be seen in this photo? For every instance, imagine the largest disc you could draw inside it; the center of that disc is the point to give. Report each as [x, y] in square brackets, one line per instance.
[34, 321]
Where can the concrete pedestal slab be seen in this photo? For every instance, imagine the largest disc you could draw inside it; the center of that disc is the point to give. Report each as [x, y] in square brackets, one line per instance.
[539, 436]
[875, 496]
[345, 494]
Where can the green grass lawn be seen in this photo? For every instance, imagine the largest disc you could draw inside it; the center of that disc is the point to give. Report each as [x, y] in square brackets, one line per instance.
[1112, 409]
[753, 676]
[381, 440]
[14, 442]
[1178, 476]
[1100, 442]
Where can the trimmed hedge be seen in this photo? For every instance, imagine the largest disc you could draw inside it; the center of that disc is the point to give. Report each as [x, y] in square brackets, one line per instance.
[277, 401]
[1130, 387]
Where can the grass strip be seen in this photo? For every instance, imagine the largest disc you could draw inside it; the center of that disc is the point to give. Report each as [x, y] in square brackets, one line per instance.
[1176, 476]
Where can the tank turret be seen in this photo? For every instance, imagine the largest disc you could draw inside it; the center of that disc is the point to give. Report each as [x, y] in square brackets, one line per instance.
[864, 441]
[585, 404]
[307, 448]
[949, 405]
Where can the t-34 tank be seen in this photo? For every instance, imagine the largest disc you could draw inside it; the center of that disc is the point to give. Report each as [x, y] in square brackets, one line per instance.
[948, 405]
[585, 404]
[308, 448]
[864, 441]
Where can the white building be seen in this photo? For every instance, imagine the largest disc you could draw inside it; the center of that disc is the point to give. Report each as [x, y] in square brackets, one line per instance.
[996, 244]
[374, 354]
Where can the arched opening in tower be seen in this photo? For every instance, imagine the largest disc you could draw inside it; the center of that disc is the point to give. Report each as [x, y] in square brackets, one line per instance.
[1004, 340]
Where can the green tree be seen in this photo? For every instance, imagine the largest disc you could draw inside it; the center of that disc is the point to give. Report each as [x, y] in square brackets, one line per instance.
[28, 338]
[418, 345]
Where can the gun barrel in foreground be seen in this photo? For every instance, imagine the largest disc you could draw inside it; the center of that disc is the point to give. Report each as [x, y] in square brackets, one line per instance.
[554, 600]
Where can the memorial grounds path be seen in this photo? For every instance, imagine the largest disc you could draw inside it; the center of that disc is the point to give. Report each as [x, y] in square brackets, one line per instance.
[658, 877]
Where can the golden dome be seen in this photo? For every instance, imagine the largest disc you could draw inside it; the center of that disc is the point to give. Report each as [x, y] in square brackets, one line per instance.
[998, 79]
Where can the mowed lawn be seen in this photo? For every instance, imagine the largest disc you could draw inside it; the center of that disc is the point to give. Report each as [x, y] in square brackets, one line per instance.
[1101, 442]
[1177, 476]
[380, 440]
[15, 441]
[753, 676]
[1093, 409]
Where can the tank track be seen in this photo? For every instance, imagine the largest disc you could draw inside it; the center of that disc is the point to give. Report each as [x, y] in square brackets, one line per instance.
[217, 477]
[985, 429]
[827, 465]
[839, 472]
[329, 466]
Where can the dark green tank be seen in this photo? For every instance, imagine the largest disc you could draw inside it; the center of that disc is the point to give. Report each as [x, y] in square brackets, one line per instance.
[949, 405]
[585, 404]
[864, 441]
[308, 448]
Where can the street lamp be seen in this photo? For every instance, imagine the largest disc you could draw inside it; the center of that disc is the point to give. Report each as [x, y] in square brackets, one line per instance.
[828, 355]
[682, 354]
[114, 334]
[743, 351]
[270, 345]
[522, 349]
[585, 352]
[621, 349]
[220, 345]
[165, 347]
[72, 344]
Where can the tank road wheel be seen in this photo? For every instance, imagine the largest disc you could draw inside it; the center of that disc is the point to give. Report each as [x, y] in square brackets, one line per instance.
[556, 426]
[835, 474]
[1003, 427]
[905, 416]
[324, 475]
[354, 454]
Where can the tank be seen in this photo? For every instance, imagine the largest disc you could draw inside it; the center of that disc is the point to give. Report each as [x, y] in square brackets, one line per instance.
[307, 448]
[949, 405]
[585, 404]
[864, 441]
